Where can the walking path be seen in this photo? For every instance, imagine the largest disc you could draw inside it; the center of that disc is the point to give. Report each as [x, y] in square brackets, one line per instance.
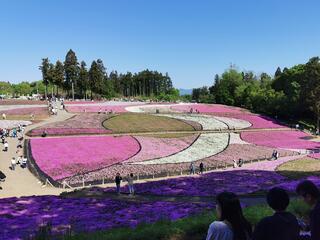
[22, 182]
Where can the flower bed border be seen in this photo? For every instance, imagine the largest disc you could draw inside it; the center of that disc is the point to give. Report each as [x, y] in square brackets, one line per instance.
[34, 168]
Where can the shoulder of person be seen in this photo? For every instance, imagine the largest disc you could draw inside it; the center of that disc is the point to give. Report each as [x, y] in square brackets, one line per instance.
[219, 226]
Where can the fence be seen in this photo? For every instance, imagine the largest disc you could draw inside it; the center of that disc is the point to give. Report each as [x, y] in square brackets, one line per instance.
[164, 174]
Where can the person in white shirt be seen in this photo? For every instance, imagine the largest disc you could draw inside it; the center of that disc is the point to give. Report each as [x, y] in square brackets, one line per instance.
[231, 223]
[130, 183]
[13, 164]
[6, 146]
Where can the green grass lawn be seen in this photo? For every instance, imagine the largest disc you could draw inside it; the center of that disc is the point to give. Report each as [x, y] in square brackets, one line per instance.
[192, 228]
[300, 168]
[134, 123]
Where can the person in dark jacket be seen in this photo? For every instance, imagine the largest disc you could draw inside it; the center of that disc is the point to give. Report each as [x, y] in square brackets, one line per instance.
[280, 226]
[311, 195]
[118, 180]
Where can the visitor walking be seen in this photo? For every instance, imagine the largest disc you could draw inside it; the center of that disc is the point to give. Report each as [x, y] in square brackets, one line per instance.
[13, 163]
[5, 146]
[231, 223]
[118, 180]
[282, 225]
[201, 168]
[311, 195]
[192, 168]
[4, 116]
[130, 183]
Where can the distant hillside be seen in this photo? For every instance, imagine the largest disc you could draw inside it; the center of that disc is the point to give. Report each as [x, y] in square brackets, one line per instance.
[185, 91]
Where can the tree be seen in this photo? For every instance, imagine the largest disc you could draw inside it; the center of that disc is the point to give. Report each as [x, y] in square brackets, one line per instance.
[96, 78]
[45, 78]
[278, 72]
[83, 79]
[71, 67]
[58, 76]
[312, 77]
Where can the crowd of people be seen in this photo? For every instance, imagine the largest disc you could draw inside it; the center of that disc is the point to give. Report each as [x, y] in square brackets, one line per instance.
[282, 225]
[18, 159]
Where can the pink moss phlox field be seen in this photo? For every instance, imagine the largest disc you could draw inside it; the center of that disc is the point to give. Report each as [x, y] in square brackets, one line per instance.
[280, 139]
[95, 109]
[205, 108]
[67, 131]
[79, 124]
[64, 157]
[234, 151]
[152, 147]
[246, 152]
[26, 111]
[21, 102]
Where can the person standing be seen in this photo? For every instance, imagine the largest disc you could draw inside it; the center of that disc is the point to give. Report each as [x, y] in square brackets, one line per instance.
[13, 164]
[130, 183]
[231, 223]
[311, 196]
[192, 168]
[118, 180]
[282, 225]
[201, 168]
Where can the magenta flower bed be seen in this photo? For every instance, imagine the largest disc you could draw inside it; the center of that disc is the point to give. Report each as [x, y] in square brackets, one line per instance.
[257, 121]
[206, 108]
[68, 131]
[280, 139]
[64, 157]
[26, 111]
[160, 147]
[95, 109]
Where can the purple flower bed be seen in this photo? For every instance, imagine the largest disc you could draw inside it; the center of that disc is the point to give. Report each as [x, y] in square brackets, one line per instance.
[26, 111]
[239, 182]
[21, 217]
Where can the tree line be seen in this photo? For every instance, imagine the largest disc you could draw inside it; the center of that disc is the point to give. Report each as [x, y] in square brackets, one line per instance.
[292, 93]
[75, 80]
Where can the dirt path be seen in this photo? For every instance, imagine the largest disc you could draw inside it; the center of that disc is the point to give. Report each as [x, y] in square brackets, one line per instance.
[21, 182]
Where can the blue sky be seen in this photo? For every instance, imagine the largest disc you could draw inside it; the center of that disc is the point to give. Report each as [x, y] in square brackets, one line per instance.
[192, 40]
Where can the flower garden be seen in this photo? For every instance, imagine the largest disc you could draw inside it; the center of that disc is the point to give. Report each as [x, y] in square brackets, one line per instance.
[92, 147]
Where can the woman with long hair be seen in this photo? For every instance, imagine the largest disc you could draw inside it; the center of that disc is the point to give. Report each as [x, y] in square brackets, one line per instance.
[231, 224]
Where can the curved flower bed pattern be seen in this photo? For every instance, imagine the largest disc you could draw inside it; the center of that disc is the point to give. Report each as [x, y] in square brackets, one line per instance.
[233, 152]
[64, 157]
[13, 123]
[234, 123]
[152, 147]
[21, 217]
[207, 122]
[206, 108]
[206, 145]
[79, 124]
[280, 139]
